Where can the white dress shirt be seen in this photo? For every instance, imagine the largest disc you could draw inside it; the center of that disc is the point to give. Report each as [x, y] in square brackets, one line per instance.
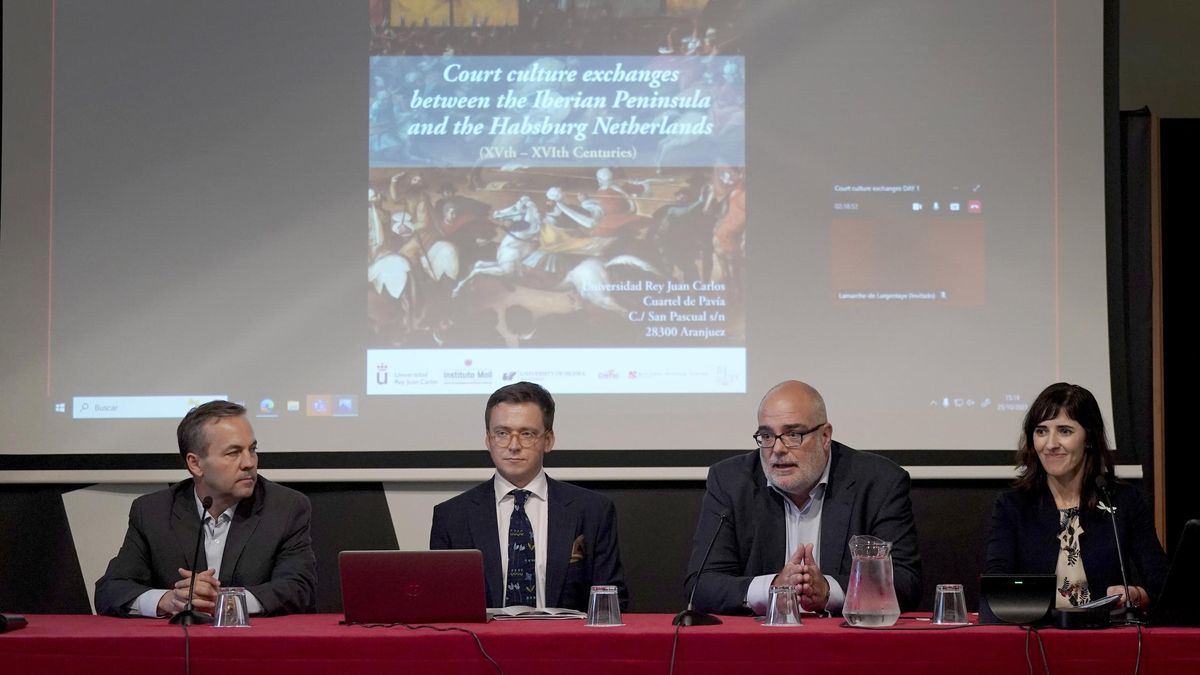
[536, 509]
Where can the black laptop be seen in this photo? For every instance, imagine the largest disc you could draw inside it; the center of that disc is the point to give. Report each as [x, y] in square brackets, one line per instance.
[1020, 599]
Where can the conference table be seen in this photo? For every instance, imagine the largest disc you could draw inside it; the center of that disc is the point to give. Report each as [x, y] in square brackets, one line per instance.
[317, 643]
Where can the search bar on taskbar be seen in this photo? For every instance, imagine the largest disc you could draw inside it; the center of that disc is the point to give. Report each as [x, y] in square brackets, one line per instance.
[137, 407]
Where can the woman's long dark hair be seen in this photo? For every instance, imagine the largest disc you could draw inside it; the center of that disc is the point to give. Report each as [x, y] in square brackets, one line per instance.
[1077, 403]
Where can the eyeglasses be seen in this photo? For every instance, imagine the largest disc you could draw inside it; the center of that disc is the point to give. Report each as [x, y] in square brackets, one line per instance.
[791, 438]
[525, 437]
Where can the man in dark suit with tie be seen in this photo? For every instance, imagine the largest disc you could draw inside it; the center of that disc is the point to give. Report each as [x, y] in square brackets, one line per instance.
[545, 543]
[790, 509]
[256, 533]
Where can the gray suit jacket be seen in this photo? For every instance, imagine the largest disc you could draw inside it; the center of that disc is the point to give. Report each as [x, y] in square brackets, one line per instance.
[268, 551]
[867, 494]
[582, 550]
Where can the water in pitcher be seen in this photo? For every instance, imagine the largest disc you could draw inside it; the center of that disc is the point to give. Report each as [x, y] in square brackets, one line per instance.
[871, 619]
[871, 596]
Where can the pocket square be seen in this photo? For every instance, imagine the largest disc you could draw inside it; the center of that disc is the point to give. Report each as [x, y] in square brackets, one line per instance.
[578, 549]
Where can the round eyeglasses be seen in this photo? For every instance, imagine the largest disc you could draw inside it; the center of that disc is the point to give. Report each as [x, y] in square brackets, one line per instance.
[525, 438]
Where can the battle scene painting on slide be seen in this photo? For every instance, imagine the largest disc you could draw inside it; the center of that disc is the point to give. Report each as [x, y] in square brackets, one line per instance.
[556, 257]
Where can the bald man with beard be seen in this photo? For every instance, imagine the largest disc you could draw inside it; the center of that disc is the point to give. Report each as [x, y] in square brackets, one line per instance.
[791, 508]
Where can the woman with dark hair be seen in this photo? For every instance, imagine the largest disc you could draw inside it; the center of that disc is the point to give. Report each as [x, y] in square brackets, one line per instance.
[1057, 519]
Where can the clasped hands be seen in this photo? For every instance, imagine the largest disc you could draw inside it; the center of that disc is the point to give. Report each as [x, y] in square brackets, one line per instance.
[204, 598]
[802, 573]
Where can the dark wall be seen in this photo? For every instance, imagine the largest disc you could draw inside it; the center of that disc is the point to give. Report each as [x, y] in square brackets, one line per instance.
[39, 569]
[1180, 143]
[346, 517]
[40, 573]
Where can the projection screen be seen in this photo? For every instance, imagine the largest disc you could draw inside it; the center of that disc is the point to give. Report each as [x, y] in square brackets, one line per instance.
[655, 208]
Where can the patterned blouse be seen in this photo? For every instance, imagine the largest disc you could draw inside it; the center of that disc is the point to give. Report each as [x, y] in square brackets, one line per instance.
[1072, 581]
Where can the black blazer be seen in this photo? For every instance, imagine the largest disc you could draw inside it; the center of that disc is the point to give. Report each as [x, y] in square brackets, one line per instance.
[582, 551]
[1024, 539]
[867, 494]
[268, 551]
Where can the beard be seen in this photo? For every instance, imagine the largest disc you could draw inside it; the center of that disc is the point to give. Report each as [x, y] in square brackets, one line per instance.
[806, 469]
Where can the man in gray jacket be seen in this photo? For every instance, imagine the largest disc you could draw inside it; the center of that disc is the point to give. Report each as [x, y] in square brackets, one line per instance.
[256, 533]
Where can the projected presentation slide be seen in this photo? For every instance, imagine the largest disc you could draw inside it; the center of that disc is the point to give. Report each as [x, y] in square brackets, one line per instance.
[556, 202]
[656, 209]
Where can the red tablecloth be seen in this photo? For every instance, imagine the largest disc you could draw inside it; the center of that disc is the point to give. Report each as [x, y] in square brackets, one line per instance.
[312, 644]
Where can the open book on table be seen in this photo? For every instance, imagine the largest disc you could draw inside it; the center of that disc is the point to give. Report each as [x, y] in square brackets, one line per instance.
[526, 612]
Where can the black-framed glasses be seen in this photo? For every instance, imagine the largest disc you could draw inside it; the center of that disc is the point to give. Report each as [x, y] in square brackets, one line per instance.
[526, 438]
[792, 438]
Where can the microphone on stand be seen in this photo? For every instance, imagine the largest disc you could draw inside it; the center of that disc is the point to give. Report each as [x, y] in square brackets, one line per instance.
[689, 616]
[189, 615]
[1102, 485]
